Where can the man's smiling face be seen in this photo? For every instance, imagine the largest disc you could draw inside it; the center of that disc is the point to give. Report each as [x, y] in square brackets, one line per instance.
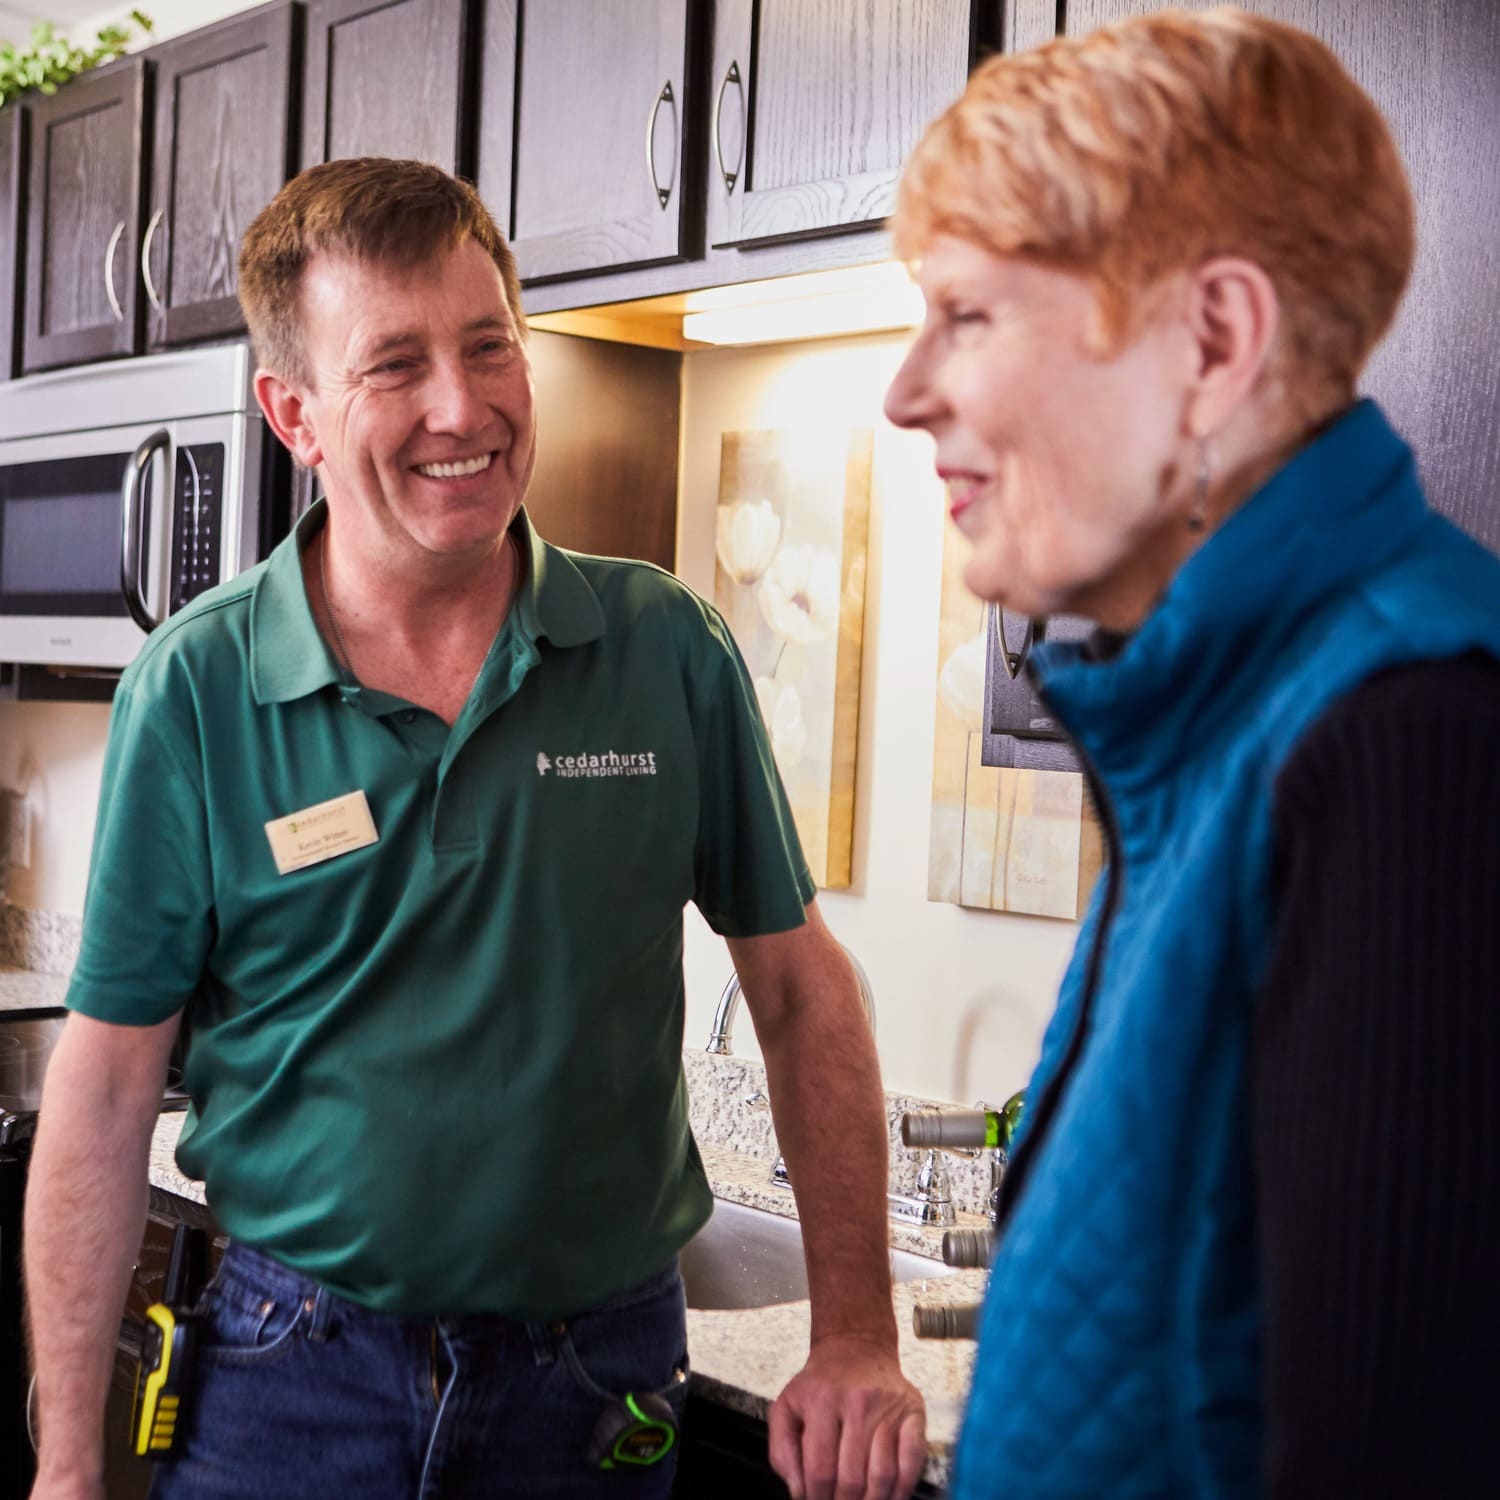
[420, 415]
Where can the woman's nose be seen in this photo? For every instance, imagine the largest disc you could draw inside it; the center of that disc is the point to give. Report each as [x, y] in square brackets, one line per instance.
[911, 401]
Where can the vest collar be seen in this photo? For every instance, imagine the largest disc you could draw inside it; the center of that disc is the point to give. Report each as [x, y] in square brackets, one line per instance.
[1339, 509]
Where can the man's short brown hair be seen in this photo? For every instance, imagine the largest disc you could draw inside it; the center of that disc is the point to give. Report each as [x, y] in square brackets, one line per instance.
[370, 208]
[1151, 145]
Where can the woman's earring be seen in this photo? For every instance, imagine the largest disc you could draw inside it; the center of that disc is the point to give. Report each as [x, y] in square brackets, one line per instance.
[1198, 516]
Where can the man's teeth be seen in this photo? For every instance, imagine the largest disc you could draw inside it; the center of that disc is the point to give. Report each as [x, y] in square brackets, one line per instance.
[456, 470]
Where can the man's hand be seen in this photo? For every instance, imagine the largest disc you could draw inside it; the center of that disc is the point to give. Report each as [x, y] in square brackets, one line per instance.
[849, 1425]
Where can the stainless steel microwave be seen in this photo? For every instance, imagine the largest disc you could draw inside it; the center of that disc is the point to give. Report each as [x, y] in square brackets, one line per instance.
[126, 489]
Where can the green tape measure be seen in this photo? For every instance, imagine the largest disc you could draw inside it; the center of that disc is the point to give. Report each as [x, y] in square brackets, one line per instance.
[633, 1430]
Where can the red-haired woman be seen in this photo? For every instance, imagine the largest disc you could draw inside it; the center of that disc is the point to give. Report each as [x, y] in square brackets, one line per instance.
[1249, 1227]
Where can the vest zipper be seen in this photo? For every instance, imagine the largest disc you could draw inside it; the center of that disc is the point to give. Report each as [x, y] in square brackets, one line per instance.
[1046, 1107]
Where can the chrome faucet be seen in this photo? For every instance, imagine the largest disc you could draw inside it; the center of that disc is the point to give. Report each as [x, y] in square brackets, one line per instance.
[721, 1038]
[930, 1203]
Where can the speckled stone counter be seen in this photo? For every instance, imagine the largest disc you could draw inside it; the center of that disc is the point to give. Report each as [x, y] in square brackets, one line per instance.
[45, 942]
[24, 989]
[37, 953]
[727, 1105]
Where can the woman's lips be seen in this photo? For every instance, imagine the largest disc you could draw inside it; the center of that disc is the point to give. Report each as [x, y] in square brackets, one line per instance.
[963, 491]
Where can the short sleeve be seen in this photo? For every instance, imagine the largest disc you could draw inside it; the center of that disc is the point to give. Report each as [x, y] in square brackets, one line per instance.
[148, 913]
[750, 875]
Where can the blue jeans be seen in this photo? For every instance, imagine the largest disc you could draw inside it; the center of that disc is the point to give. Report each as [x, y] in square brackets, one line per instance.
[300, 1393]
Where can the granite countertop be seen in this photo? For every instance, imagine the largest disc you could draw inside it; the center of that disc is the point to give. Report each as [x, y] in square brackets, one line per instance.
[25, 989]
[743, 1358]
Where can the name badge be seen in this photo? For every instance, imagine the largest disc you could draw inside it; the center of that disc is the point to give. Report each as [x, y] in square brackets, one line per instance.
[323, 832]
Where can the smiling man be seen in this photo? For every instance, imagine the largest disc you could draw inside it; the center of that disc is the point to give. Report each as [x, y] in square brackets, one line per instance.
[435, 796]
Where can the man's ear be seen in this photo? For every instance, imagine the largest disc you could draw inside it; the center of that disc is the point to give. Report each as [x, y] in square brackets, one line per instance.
[285, 407]
[1233, 316]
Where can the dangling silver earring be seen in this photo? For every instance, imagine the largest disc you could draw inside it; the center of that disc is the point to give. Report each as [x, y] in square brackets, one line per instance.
[1198, 516]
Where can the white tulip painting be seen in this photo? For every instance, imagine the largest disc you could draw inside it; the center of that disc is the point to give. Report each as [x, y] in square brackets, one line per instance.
[747, 539]
[790, 542]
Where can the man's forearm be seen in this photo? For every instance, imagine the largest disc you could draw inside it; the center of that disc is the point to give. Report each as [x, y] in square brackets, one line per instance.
[830, 1124]
[85, 1208]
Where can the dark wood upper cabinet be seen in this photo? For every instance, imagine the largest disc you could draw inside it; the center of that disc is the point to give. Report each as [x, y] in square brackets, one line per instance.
[582, 132]
[211, 175]
[817, 103]
[1431, 69]
[84, 218]
[385, 78]
[12, 258]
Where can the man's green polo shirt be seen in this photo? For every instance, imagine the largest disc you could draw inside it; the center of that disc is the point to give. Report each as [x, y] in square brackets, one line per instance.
[441, 1072]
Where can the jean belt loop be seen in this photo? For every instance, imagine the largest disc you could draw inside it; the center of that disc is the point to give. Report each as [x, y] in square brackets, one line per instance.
[544, 1340]
[322, 1316]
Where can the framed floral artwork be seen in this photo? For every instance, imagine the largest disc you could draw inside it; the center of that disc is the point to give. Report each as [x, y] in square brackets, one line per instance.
[792, 526]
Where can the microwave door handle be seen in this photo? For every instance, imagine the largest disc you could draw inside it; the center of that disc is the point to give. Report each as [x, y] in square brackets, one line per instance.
[133, 528]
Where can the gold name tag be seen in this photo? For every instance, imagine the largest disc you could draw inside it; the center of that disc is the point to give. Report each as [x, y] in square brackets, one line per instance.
[317, 833]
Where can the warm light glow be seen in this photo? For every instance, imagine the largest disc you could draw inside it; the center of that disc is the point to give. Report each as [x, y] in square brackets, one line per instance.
[865, 299]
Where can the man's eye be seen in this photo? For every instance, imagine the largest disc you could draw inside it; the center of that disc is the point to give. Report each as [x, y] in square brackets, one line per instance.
[964, 317]
[492, 346]
[393, 367]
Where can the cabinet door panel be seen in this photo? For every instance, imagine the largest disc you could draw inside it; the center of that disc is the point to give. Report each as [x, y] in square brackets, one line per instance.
[592, 177]
[12, 261]
[211, 175]
[385, 78]
[84, 218]
[818, 102]
[1432, 70]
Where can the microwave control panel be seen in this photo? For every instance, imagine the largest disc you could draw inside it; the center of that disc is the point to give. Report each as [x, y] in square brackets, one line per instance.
[197, 521]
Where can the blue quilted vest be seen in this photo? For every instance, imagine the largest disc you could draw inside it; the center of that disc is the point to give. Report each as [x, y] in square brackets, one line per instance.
[1119, 1345]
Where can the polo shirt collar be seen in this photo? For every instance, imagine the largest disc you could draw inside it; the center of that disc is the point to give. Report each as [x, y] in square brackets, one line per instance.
[556, 602]
[289, 658]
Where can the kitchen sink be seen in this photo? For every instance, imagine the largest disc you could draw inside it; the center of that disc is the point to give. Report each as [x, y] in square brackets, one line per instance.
[745, 1257]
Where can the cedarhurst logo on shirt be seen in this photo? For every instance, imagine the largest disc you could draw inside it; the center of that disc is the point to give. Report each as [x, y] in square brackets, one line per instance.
[603, 763]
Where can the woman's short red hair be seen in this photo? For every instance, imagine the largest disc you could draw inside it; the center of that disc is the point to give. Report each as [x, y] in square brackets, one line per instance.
[1149, 146]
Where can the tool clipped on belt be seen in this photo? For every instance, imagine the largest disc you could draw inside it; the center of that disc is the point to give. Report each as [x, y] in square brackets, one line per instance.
[163, 1383]
[634, 1430]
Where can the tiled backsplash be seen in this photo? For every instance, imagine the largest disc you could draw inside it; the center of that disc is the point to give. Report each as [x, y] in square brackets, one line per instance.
[43, 941]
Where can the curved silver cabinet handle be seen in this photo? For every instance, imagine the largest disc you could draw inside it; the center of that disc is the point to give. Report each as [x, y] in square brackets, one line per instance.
[133, 527]
[109, 273]
[663, 194]
[151, 229]
[31, 1413]
[732, 76]
[1012, 661]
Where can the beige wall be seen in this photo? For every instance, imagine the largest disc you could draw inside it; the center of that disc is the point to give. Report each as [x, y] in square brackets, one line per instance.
[54, 754]
[170, 17]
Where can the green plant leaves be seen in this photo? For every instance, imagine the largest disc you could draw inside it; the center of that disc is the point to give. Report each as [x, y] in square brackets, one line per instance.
[49, 60]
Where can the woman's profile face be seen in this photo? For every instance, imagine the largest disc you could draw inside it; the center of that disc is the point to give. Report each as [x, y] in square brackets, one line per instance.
[1064, 468]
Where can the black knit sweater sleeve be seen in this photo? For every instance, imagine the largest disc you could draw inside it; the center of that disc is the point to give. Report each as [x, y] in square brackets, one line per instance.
[1375, 1096]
